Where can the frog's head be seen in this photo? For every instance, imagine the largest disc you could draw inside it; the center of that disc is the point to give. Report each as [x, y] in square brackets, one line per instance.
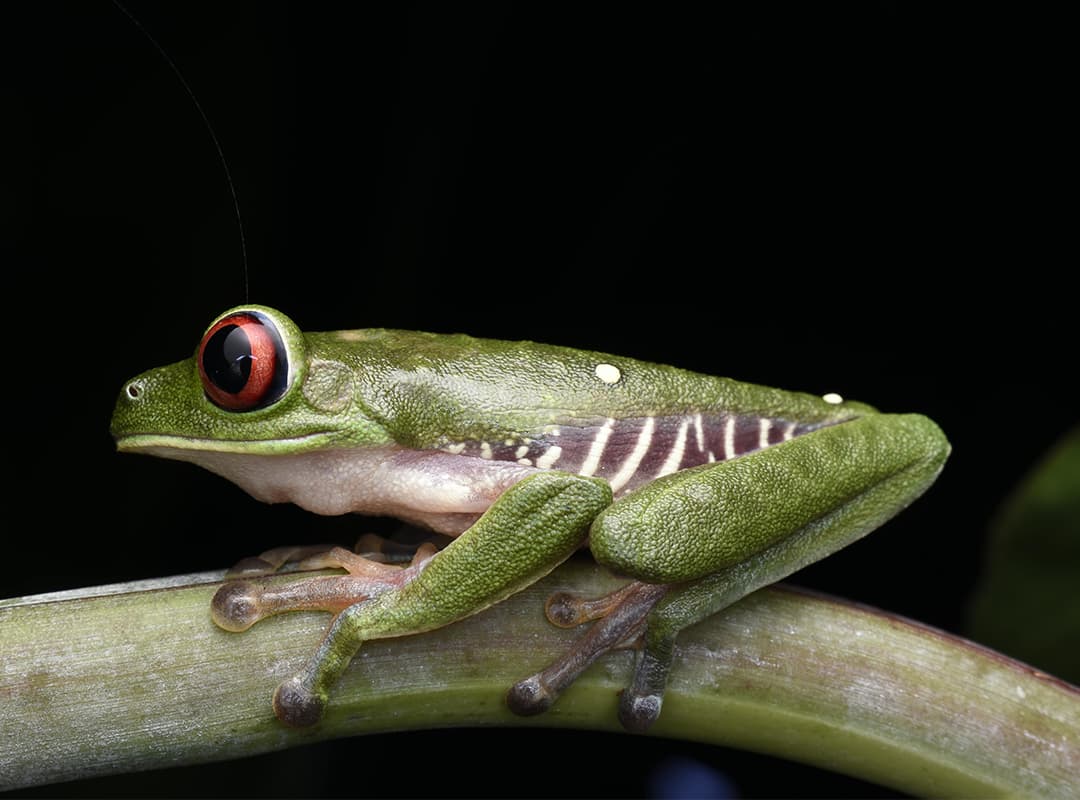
[255, 386]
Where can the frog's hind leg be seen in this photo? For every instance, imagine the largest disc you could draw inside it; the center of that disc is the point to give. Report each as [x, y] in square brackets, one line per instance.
[621, 619]
[727, 529]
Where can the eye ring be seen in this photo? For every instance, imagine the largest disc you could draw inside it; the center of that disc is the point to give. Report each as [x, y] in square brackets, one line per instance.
[243, 362]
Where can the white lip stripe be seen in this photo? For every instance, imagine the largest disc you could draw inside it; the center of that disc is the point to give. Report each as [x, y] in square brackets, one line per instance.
[764, 426]
[729, 438]
[699, 434]
[550, 456]
[596, 449]
[675, 457]
[641, 447]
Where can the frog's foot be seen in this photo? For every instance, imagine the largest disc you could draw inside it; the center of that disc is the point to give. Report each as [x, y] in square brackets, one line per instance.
[620, 617]
[387, 551]
[640, 703]
[240, 604]
[301, 558]
[569, 610]
[301, 701]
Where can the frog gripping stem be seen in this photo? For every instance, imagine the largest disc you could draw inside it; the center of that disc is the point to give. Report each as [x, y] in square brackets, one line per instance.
[620, 627]
[296, 705]
[543, 518]
[695, 488]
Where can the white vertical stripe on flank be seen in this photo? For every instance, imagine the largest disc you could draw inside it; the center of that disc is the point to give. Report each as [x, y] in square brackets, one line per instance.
[729, 438]
[764, 426]
[596, 449]
[789, 431]
[699, 434]
[671, 463]
[629, 467]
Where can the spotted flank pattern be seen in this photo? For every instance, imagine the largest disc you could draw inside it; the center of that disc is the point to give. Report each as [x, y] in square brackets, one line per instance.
[630, 452]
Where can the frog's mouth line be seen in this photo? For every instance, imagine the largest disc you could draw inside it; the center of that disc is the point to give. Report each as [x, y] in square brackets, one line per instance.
[161, 444]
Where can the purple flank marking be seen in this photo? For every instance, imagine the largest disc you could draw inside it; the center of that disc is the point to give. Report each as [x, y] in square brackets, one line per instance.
[576, 442]
[776, 432]
[747, 435]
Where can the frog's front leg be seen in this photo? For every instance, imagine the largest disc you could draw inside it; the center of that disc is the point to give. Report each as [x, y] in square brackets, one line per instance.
[239, 604]
[703, 538]
[529, 530]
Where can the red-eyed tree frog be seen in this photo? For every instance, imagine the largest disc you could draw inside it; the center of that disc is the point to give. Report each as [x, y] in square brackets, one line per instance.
[697, 489]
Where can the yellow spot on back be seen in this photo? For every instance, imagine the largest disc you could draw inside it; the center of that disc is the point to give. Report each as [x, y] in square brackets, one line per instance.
[353, 336]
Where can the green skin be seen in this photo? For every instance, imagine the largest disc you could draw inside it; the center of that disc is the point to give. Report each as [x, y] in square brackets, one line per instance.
[401, 404]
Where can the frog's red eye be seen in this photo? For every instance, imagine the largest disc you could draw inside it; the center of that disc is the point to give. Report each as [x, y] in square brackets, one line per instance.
[242, 362]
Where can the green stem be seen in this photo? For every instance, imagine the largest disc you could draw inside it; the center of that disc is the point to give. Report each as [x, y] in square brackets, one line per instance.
[103, 681]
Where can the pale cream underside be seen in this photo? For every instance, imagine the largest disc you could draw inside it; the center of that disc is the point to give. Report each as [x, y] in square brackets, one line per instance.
[438, 490]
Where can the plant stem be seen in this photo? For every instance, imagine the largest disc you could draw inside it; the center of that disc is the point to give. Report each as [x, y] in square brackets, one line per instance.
[118, 679]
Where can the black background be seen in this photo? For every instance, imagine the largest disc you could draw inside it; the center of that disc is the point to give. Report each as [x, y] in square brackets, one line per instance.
[861, 198]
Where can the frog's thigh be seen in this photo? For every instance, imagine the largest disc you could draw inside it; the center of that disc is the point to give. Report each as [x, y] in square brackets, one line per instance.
[696, 522]
[827, 494]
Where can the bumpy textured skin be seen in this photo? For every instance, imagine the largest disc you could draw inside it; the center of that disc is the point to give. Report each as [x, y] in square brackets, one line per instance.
[422, 390]
[904, 455]
[707, 535]
[693, 523]
[532, 528]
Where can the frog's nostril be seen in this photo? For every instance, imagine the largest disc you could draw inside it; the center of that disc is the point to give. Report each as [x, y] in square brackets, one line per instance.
[133, 390]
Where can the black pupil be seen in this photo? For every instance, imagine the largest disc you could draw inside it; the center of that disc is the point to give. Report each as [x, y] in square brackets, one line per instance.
[227, 359]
